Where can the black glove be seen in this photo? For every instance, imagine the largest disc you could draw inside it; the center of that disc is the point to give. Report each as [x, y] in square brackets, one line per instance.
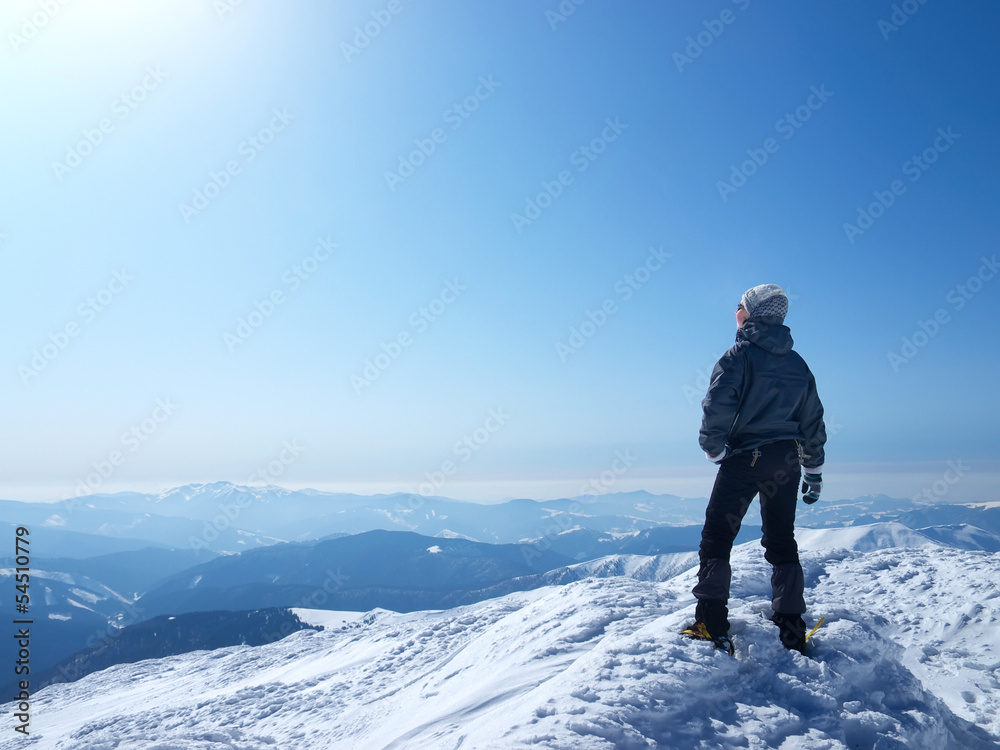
[811, 486]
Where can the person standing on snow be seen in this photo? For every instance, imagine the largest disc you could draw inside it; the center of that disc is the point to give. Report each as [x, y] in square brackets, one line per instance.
[762, 420]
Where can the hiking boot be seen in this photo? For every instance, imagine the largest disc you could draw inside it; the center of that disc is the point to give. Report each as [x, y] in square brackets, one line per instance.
[714, 613]
[791, 630]
[698, 632]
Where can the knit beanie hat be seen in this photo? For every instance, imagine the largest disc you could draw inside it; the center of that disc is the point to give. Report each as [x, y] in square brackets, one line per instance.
[766, 300]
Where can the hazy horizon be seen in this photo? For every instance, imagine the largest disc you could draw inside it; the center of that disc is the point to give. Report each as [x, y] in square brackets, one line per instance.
[924, 481]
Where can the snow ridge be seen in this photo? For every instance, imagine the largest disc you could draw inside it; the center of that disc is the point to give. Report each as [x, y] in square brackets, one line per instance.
[909, 657]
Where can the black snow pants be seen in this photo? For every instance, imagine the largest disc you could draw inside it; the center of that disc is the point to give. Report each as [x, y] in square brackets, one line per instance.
[773, 472]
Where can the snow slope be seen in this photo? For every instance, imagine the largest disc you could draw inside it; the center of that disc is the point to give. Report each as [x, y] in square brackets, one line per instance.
[640, 567]
[864, 538]
[909, 657]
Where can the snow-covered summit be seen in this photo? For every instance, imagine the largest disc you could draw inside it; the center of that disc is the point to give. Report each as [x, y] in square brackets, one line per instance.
[909, 657]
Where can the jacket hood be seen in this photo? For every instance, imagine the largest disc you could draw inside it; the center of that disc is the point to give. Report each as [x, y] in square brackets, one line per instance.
[767, 333]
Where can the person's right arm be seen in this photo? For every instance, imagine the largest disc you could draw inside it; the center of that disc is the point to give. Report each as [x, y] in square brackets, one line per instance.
[722, 402]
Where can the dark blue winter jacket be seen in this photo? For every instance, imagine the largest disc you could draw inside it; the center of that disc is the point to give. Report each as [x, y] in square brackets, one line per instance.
[762, 391]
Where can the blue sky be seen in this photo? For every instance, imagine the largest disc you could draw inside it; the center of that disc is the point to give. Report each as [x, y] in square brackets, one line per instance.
[302, 118]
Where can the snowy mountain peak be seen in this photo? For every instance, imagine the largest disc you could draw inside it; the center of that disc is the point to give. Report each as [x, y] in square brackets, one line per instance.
[214, 490]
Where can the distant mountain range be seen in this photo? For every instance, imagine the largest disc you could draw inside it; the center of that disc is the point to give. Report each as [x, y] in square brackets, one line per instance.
[106, 562]
[227, 518]
[395, 570]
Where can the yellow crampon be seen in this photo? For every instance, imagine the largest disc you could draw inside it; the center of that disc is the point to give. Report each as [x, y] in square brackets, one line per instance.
[810, 633]
[697, 631]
